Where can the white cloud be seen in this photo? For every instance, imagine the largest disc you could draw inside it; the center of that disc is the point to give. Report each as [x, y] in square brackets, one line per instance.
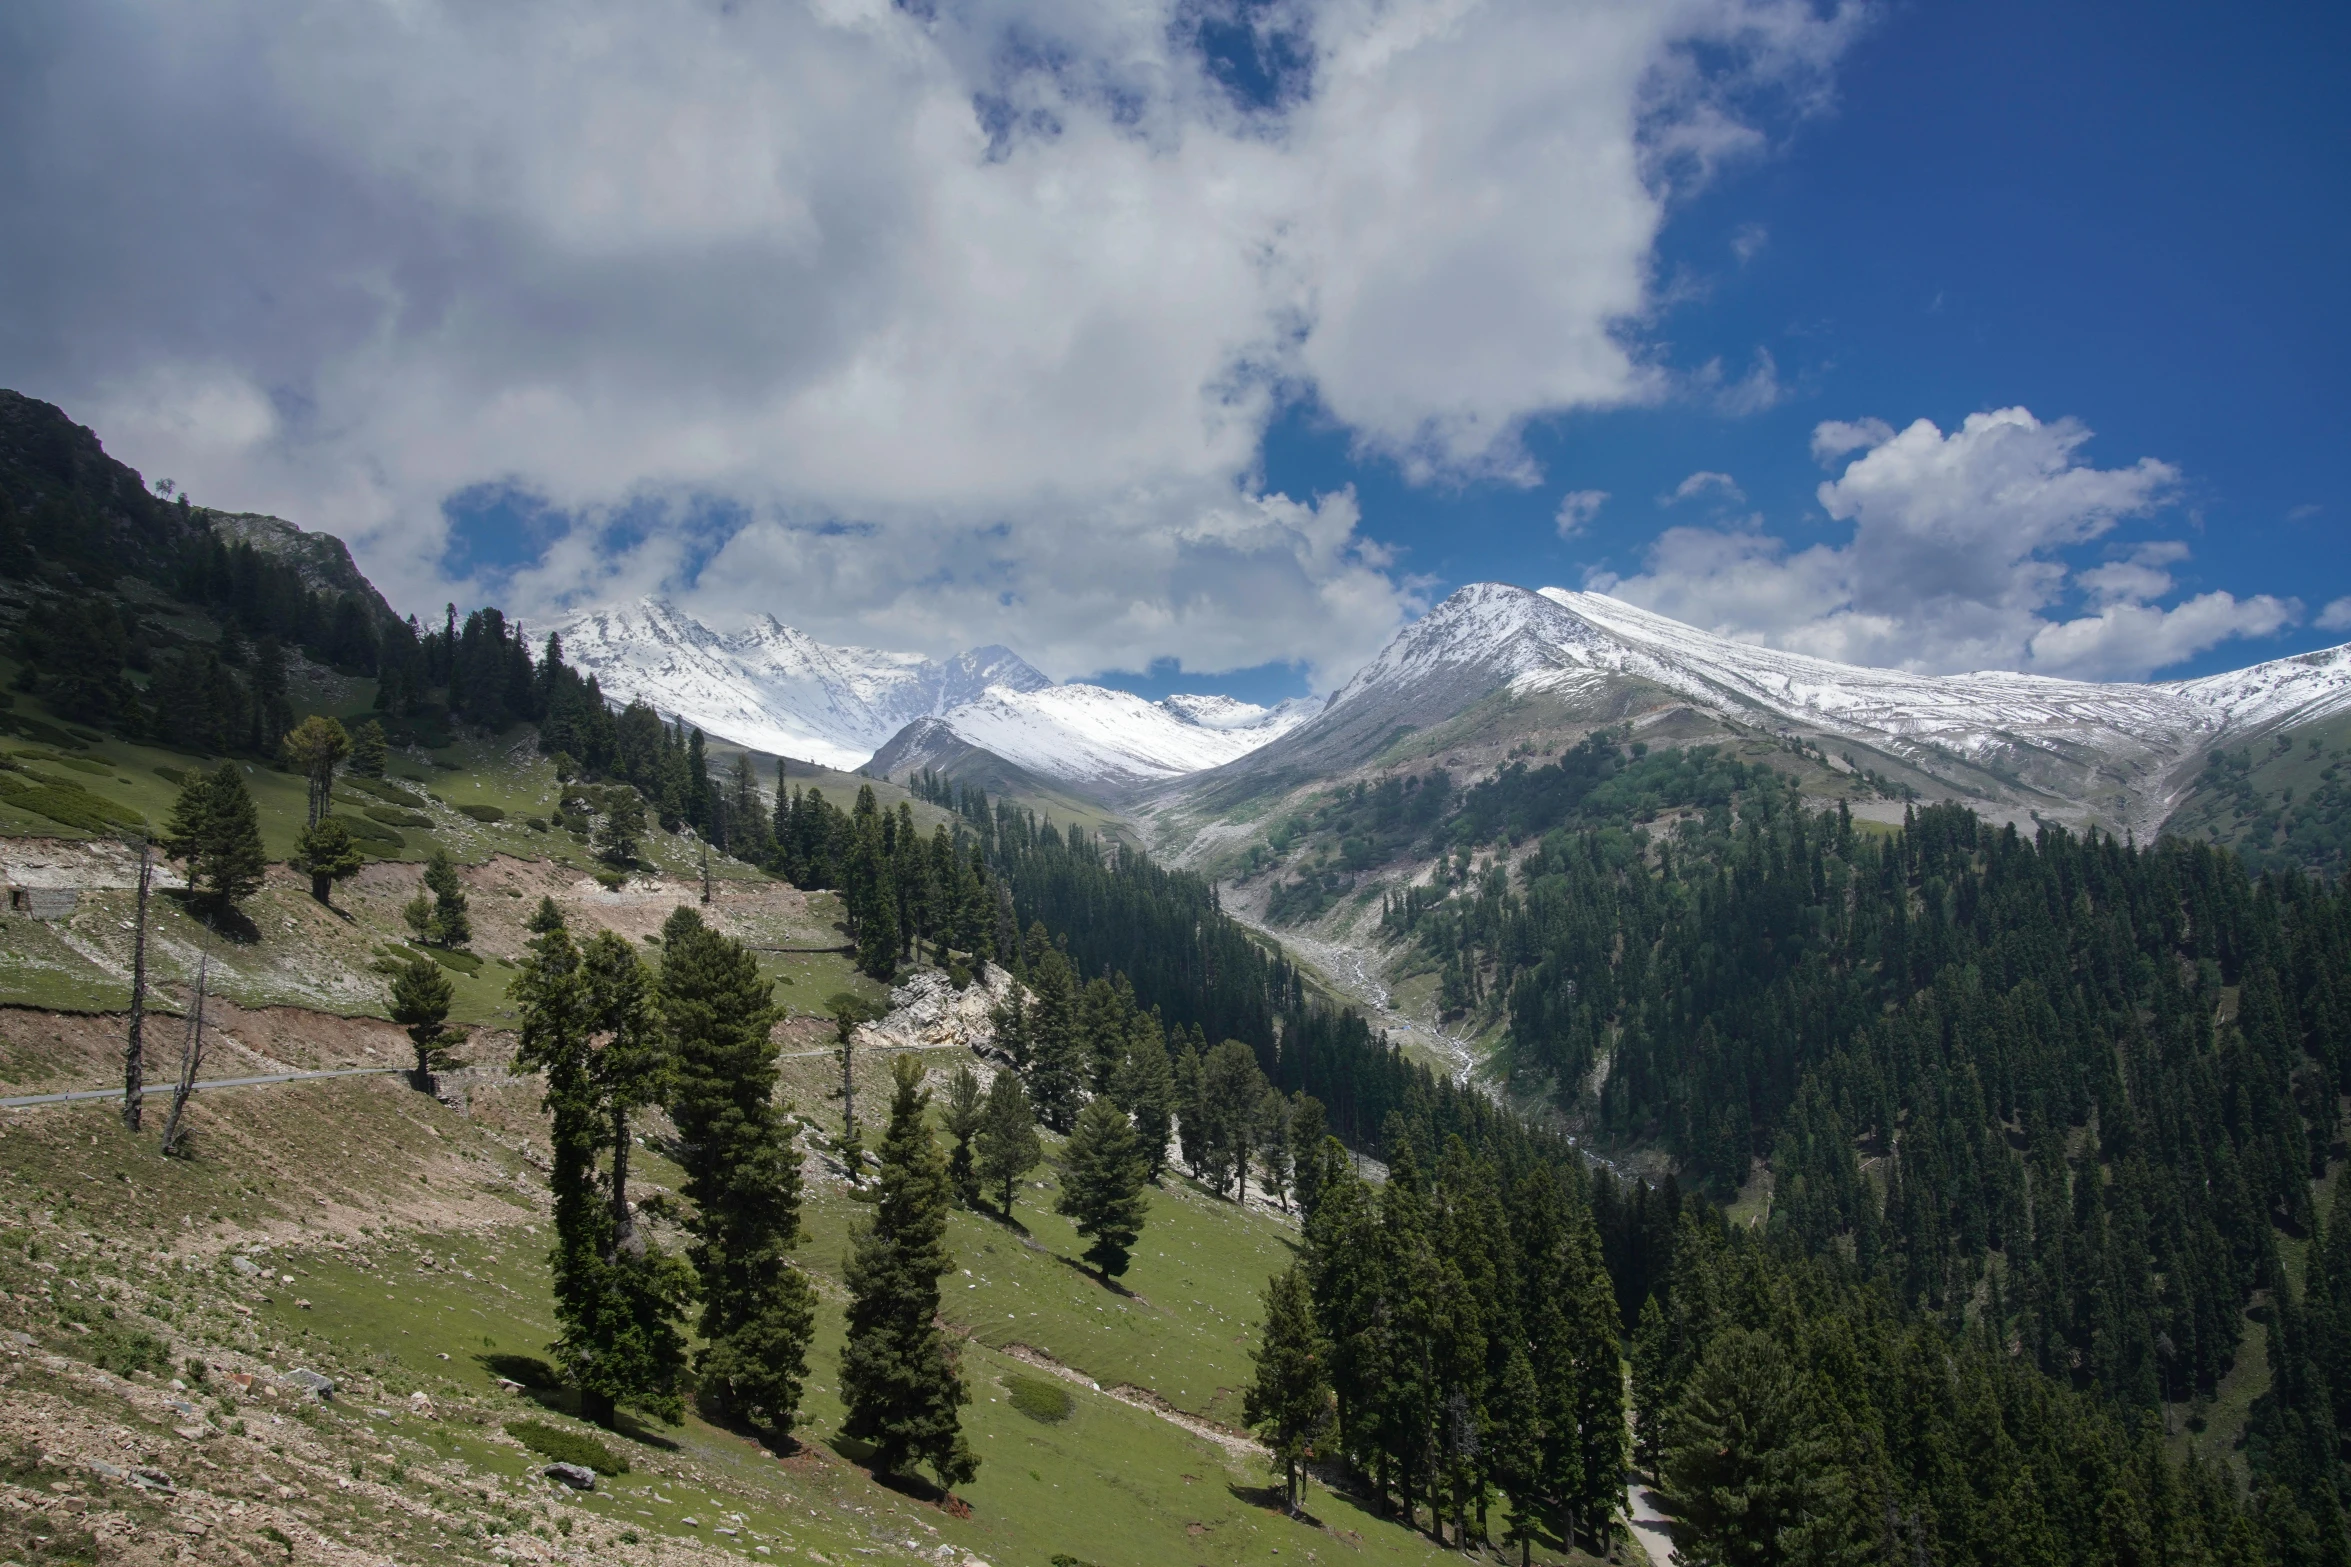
[1703, 483]
[1006, 285]
[1833, 438]
[1758, 391]
[1750, 241]
[1954, 562]
[2336, 616]
[1576, 509]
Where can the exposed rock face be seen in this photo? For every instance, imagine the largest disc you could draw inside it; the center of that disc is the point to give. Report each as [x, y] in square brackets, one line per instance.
[929, 1013]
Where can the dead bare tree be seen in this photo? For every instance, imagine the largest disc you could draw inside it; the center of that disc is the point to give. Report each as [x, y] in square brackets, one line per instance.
[134, 1056]
[191, 1057]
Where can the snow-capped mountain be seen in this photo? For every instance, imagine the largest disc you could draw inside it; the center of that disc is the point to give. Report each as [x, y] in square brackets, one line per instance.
[1095, 738]
[2116, 749]
[779, 690]
[776, 689]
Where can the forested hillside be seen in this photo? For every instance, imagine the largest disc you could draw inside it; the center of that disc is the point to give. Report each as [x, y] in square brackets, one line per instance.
[2040, 1128]
[2069, 1096]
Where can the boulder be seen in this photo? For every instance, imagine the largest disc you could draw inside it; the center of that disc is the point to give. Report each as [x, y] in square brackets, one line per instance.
[578, 1476]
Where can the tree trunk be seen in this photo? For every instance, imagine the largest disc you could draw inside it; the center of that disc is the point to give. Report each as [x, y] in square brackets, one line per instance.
[322, 887]
[597, 1408]
[134, 1053]
[624, 1227]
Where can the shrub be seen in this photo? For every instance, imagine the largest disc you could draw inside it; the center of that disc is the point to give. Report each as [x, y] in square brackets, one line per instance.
[68, 805]
[567, 1447]
[375, 835]
[121, 1350]
[1039, 1399]
[384, 790]
[177, 777]
[395, 818]
[483, 813]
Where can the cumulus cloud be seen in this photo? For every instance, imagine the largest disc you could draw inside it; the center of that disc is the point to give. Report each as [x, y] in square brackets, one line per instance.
[1955, 560]
[1576, 509]
[996, 286]
[1701, 484]
[2336, 616]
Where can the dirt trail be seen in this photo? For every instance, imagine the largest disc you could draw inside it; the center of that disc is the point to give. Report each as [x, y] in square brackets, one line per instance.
[1233, 1442]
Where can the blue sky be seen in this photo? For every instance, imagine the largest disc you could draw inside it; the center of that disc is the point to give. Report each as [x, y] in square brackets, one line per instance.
[1209, 341]
[2136, 216]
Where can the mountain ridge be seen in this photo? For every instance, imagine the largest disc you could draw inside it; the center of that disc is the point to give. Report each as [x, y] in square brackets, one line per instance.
[2120, 753]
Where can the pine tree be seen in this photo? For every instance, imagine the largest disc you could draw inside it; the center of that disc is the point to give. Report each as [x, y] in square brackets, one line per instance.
[1145, 1088]
[369, 753]
[619, 1309]
[1006, 1147]
[451, 924]
[216, 828]
[327, 852]
[1747, 1455]
[961, 1117]
[421, 996]
[621, 829]
[898, 1378]
[314, 748]
[742, 1174]
[1058, 1063]
[1289, 1402]
[1103, 1172]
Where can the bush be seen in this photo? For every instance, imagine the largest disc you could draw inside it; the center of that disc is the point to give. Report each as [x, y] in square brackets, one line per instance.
[69, 805]
[383, 790]
[567, 1447]
[537, 823]
[177, 777]
[462, 962]
[483, 813]
[372, 833]
[121, 1350]
[1039, 1399]
[396, 818]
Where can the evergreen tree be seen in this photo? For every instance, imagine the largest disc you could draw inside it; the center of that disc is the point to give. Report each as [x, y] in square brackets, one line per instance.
[421, 997]
[369, 752]
[1145, 1088]
[618, 1308]
[215, 827]
[1059, 1065]
[742, 1174]
[898, 1378]
[328, 853]
[620, 830]
[1006, 1146]
[314, 748]
[1289, 1401]
[1747, 1459]
[962, 1116]
[451, 923]
[1103, 1172]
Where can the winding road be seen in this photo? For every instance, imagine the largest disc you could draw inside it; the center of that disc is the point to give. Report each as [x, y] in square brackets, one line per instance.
[76, 1096]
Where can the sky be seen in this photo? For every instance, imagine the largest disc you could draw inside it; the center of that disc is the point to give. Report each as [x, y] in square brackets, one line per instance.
[1201, 344]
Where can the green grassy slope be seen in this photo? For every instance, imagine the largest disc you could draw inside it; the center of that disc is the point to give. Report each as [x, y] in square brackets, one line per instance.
[401, 1251]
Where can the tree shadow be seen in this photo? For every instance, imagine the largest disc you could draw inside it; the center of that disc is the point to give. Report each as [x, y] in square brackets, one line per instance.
[862, 1453]
[543, 1385]
[1095, 1275]
[782, 1444]
[226, 921]
[534, 1374]
[1270, 1498]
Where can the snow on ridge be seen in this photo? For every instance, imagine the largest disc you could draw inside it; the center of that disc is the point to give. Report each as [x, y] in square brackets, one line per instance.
[772, 686]
[1092, 734]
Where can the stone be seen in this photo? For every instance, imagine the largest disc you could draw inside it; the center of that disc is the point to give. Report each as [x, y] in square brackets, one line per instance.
[246, 1266]
[311, 1382]
[578, 1476]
